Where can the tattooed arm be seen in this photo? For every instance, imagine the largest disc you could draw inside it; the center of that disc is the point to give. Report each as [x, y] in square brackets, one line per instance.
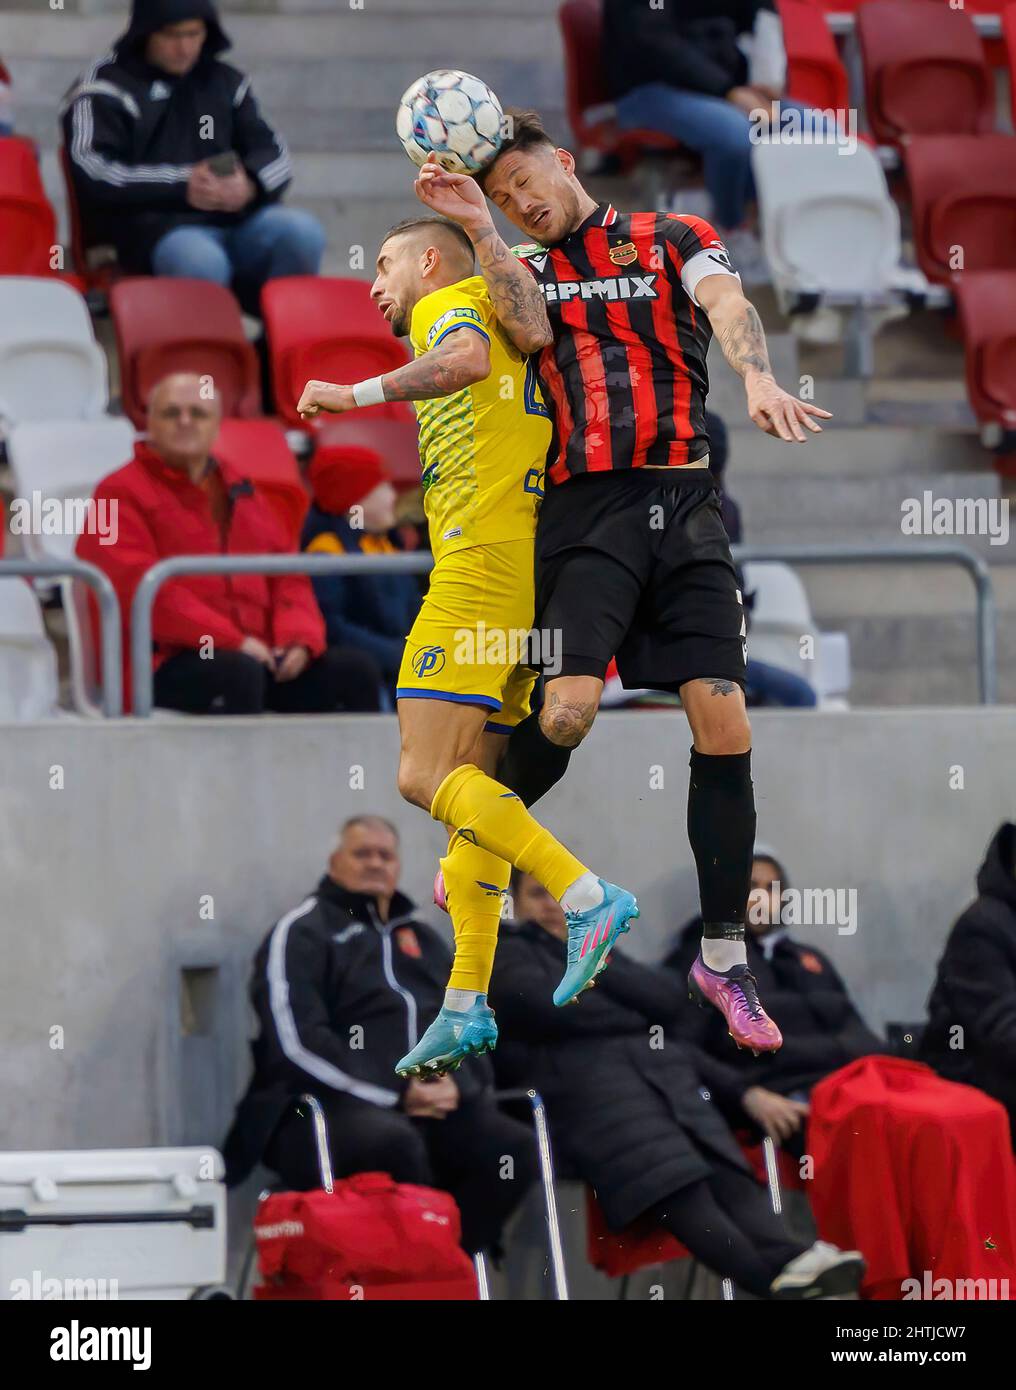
[739, 331]
[518, 302]
[459, 360]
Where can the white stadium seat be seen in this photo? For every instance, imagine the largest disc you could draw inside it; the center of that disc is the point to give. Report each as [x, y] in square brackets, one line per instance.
[61, 462]
[51, 367]
[829, 225]
[780, 617]
[28, 673]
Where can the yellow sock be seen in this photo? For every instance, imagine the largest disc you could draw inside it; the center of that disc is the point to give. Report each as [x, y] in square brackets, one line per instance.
[493, 817]
[475, 883]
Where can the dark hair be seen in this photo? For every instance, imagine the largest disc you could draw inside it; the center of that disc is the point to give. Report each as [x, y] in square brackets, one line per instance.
[410, 224]
[526, 132]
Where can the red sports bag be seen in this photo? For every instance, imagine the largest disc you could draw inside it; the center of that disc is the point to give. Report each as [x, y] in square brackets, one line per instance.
[371, 1238]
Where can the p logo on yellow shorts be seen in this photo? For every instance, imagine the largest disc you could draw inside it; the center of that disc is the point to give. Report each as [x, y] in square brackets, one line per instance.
[428, 661]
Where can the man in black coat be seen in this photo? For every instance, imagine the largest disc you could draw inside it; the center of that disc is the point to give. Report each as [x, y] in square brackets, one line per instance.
[339, 985]
[971, 1032]
[173, 162]
[822, 1029]
[630, 1114]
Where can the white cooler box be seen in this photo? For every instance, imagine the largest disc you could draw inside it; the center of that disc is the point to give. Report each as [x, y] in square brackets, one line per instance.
[113, 1223]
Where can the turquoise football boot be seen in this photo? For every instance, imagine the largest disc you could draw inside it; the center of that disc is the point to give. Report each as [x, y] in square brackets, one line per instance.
[450, 1039]
[591, 935]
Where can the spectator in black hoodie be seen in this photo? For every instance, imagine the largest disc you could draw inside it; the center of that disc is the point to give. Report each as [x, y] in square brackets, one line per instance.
[173, 162]
[822, 1029]
[971, 1032]
[628, 1110]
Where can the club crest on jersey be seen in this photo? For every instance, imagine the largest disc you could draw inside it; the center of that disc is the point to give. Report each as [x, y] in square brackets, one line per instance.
[623, 254]
[428, 661]
[613, 287]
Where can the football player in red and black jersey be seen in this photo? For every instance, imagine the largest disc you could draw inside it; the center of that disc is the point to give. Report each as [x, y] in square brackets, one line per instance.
[631, 555]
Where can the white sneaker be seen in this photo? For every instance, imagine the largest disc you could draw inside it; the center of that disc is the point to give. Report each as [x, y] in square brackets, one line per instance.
[824, 1271]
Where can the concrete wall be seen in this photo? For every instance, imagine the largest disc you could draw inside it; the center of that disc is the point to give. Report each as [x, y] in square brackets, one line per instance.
[101, 882]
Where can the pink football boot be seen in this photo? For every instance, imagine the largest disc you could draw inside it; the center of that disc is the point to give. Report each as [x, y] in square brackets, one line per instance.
[734, 993]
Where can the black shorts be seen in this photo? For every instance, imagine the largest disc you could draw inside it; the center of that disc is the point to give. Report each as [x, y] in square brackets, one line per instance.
[637, 565]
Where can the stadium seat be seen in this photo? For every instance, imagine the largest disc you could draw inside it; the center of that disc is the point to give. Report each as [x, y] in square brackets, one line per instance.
[259, 449]
[27, 220]
[815, 72]
[829, 224]
[28, 674]
[963, 190]
[590, 112]
[95, 262]
[51, 367]
[1009, 36]
[781, 616]
[395, 441]
[327, 328]
[925, 70]
[987, 307]
[64, 460]
[168, 325]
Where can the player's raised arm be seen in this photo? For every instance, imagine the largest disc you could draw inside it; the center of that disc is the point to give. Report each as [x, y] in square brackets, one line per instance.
[460, 360]
[517, 300]
[739, 330]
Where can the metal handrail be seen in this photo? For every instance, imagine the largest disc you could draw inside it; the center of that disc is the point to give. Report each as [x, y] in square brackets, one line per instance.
[419, 562]
[109, 616]
[917, 552]
[914, 552]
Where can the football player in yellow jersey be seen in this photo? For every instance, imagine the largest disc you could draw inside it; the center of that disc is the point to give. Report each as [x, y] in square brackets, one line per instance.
[464, 684]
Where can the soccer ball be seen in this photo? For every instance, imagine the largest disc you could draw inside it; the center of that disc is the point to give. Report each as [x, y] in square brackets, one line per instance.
[451, 118]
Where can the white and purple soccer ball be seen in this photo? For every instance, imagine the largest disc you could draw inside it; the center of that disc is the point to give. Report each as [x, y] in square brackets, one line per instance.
[451, 118]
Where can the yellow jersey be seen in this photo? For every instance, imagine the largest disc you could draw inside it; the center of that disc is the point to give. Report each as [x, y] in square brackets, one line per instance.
[483, 450]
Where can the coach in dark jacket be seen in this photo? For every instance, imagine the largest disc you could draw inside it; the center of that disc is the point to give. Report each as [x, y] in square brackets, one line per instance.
[629, 1108]
[339, 986]
[822, 1029]
[172, 161]
[971, 1032]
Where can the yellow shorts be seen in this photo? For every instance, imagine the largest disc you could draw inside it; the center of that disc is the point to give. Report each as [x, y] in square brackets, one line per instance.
[469, 636]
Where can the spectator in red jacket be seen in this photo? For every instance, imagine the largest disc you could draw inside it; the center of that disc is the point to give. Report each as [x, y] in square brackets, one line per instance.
[224, 644]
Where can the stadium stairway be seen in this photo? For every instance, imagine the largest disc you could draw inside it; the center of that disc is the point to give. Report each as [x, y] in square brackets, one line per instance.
[330, 74]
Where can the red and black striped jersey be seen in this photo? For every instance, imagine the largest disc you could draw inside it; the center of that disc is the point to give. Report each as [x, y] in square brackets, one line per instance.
[626, 373]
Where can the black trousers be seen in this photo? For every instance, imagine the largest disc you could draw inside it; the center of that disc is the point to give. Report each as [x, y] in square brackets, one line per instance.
[483, 1158]
[726, 1221]
[234, 683]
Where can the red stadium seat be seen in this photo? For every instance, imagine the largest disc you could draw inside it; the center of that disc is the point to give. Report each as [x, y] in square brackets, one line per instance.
[815, 73]
[27, 220]
[327, 328]
[925, 70]
[259, 449]
[95, 265]
[963, 189]
[167, 325]
[1009, 35]
[394, 441]
[589, 111]
[987, 308]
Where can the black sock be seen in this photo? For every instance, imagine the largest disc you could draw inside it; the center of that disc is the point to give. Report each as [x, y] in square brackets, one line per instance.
[531, 764]
[721, 829]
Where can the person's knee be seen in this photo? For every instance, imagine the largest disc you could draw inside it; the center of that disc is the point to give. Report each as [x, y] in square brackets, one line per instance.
[569, 711]
[417, 781]
[241, 682]
[296, 239]
[723, 731]
[395, 1147]
[191, 253]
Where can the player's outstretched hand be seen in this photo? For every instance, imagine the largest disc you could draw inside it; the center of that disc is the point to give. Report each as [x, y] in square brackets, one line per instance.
[457, 196]
[325, 395]
[778, 412]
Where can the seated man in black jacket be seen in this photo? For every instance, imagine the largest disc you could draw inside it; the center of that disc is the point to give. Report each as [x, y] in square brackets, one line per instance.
[629, 1112]
[339, 985]
[823, 1029]
[174, 164]
[971, 1032]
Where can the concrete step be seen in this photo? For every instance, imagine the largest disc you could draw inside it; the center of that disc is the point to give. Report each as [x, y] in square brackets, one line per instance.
[784, 510]
[849, 451]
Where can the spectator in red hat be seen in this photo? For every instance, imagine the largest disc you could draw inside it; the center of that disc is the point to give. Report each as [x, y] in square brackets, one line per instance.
[354, 514]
